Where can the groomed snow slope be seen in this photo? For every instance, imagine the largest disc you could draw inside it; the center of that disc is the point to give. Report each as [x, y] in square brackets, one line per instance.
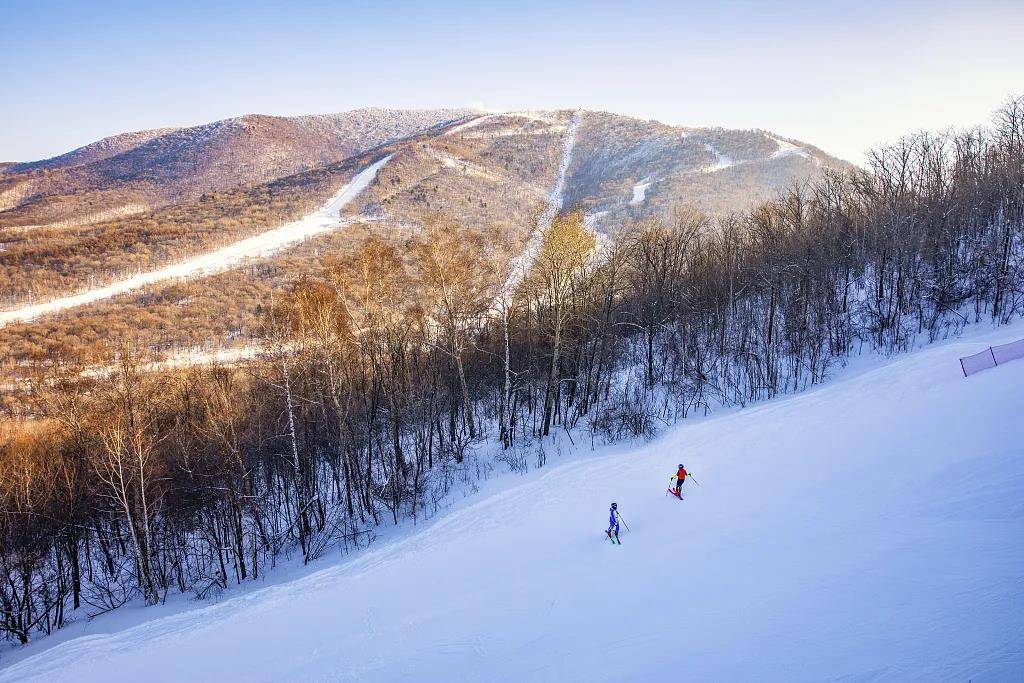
[868, 530]
[327, 217]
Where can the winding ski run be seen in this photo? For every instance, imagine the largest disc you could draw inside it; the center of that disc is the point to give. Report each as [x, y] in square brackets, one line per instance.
[324, 219]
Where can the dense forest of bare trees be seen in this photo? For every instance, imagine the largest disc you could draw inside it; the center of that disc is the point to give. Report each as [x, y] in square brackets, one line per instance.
[381, 383]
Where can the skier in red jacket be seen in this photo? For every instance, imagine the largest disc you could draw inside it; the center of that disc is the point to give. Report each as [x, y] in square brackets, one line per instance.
[680, 477]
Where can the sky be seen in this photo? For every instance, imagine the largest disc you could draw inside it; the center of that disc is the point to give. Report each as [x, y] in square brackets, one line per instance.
[842, 75]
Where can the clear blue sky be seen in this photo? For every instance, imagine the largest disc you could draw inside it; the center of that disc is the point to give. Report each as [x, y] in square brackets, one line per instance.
[843, 75]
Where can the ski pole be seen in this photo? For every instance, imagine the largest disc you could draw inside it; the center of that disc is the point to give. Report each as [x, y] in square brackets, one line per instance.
[624, 523]
[694, 480]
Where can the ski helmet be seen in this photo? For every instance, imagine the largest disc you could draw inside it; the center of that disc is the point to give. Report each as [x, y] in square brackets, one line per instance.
[680, 465]
[615, 506]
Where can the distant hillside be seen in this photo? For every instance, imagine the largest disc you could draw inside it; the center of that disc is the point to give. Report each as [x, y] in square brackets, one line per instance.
[498, 169]
[489, 172]
[96, 151]
[627, 168]
[136, 172]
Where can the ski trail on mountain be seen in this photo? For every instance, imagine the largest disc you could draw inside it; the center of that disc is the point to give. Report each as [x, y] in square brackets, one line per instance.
[521, 264]
[324, 219]
[721, 160]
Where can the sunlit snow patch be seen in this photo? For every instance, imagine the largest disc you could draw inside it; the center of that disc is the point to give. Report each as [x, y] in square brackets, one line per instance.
[640, 191]
[787, 149]
[721, 160]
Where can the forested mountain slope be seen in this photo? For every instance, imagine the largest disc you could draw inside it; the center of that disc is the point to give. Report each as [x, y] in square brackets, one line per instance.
[136, 172]
[491, 173]
[626, 168]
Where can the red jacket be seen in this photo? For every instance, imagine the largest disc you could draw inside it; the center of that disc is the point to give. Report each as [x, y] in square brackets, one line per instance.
[681, 474]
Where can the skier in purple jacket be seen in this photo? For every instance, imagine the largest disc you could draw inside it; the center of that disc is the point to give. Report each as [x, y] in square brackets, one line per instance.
[613, 523]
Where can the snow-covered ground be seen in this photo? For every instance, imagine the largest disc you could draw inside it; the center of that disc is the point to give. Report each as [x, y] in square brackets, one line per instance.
[222, 356]
[640, 191]
[327, 217]
[465, 167]
[721, 161]
[191, 358]
[871, 529]
[787, 149]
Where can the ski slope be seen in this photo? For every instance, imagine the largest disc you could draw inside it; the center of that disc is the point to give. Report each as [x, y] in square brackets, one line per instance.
[327, 217]
[868, 530]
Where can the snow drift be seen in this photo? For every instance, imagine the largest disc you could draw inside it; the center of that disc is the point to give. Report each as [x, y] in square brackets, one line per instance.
[868, 530]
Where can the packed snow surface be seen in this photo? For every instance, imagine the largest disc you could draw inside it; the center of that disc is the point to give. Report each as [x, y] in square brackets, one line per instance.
[327, 217]
[868, 530]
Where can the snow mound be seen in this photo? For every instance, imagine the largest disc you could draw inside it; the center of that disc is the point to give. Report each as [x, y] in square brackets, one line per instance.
[867, 530]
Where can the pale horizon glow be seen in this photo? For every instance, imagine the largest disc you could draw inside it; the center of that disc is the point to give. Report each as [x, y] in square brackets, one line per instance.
[843, 76]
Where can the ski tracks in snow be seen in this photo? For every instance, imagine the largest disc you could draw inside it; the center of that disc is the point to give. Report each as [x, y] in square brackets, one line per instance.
[324, 219]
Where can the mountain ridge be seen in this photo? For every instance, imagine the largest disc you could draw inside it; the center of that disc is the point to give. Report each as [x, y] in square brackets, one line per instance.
[153, 168]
